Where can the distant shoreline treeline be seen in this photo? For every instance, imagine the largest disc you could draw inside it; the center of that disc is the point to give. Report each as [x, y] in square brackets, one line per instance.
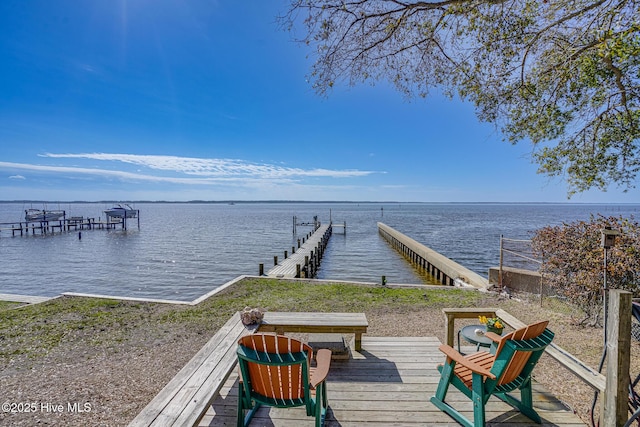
[390, 202]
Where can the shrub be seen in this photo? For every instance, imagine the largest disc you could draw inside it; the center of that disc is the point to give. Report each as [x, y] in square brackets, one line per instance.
[573, 260]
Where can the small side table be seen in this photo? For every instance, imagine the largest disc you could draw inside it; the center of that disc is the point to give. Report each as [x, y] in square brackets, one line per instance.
[469, 335]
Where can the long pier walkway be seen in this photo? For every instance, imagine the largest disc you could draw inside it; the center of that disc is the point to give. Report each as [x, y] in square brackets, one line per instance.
[445, 270]
[305, 260]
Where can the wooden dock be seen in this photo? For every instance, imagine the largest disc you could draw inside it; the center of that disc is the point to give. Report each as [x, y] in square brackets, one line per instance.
[389, 383]
[62, 225]
[303, 261]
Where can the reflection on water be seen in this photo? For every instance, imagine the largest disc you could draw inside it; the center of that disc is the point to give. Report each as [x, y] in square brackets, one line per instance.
[182, 251]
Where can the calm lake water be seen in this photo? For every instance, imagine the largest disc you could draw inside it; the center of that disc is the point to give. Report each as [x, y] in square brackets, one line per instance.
[184, 250]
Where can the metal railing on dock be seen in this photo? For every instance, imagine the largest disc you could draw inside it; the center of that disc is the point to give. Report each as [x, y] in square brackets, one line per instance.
[337, 226]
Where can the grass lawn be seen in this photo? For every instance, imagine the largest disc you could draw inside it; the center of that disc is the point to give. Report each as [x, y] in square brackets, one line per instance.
[6, 305]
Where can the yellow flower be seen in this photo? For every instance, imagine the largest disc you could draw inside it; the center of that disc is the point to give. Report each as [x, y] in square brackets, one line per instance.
[491, 322]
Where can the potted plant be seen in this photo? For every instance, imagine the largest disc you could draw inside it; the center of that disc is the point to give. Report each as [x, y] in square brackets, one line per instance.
[493, 324]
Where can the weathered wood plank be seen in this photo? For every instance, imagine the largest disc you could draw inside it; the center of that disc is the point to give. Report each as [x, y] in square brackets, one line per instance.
[451, 314]
[618, 348]
[305, 322]
[585, 373]
[382, 388]
[310, 319]
[403, 342]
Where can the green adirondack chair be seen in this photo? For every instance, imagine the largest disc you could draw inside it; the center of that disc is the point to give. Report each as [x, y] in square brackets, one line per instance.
[276, 372]
[505, 368]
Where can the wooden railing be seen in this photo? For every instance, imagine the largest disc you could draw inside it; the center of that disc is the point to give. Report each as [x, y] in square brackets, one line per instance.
[188, 396]
[614, 385]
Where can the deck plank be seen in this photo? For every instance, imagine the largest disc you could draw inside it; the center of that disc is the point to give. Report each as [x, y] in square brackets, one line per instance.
[389, 383]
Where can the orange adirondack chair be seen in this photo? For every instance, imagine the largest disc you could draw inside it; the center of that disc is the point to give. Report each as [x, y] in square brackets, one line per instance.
[507, 367]
[276, 372]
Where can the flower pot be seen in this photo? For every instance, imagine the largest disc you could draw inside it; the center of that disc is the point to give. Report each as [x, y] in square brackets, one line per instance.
[497, 331]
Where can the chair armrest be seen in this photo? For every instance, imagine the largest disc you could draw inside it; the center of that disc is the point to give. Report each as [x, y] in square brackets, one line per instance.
[493, 336]
[452, 354]
[319, 374]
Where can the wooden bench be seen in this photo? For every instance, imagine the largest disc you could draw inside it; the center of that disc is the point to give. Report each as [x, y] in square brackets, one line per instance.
[347, 323]
[188, 396]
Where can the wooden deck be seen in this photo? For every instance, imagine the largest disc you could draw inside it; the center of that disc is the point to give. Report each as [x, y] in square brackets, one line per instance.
[288, 267]
[389, 383]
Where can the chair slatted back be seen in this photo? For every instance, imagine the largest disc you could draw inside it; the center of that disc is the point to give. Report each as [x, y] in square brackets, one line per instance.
[515, 356]
[276, 367]
[520, 357]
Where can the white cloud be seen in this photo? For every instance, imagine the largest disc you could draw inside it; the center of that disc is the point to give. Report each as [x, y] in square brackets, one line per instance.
[222, 176]
[221, 168]
[127, 176]
[17, 177]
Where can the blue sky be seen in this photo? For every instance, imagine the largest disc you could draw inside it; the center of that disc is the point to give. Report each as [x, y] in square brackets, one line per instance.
[208, 100]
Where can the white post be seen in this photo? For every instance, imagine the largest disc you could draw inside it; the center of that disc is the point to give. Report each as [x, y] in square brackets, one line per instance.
[500, 266]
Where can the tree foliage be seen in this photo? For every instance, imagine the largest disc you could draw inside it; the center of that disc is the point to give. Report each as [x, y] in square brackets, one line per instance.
[573, 260]
[562, 74]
